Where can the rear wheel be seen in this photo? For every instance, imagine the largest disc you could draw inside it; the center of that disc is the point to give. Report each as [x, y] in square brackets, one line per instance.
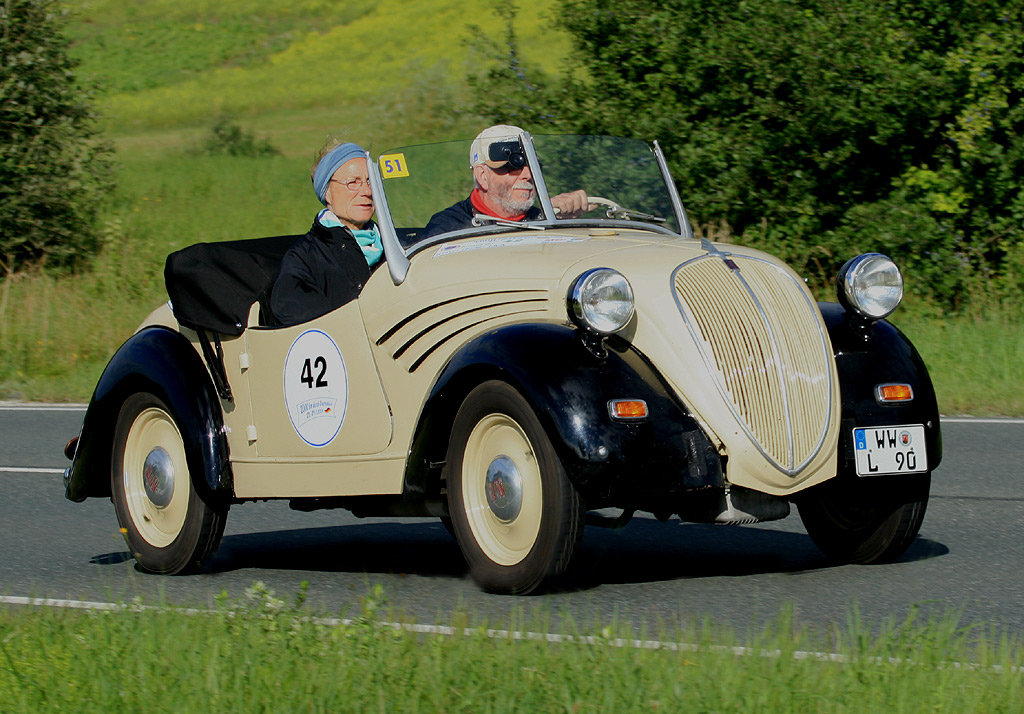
[867, 520]
[168, 527]
[517, 517]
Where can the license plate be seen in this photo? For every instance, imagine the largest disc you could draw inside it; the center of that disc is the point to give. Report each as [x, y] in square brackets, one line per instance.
[890, 450]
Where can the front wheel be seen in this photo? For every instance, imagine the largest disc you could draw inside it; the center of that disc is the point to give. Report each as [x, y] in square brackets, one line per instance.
[517, 517]
[865, 520]
[167, 526]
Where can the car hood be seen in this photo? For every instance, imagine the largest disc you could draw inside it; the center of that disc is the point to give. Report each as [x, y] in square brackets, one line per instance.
[733, 331]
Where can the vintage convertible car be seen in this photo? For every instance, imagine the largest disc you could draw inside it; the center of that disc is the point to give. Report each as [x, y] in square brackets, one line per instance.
[520, 380]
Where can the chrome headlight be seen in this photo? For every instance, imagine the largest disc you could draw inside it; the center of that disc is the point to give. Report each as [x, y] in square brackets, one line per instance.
[870, 285]
[601, 300]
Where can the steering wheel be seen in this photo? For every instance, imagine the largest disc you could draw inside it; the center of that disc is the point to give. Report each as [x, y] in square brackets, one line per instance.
[612, 206]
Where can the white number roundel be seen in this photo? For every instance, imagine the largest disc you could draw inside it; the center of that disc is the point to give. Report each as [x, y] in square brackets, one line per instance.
[315, 387]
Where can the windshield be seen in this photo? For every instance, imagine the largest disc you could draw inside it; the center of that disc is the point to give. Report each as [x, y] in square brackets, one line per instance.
[621, 177]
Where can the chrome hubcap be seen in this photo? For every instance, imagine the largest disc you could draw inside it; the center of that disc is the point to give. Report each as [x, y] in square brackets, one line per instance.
[158, 477]
[504, 489]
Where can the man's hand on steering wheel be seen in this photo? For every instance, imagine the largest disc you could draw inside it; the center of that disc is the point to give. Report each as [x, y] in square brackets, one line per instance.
[572, 204]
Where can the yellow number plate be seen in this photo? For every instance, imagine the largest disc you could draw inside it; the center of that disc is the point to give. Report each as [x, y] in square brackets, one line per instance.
[393, 166]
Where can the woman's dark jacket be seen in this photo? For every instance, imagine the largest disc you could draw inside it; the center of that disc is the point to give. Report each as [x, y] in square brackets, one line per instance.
[322, 271]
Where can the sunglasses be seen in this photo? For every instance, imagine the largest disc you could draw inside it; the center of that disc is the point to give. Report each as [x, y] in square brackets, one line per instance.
[507, 152]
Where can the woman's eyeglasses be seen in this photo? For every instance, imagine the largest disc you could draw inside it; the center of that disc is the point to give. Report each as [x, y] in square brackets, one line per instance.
[352, 184]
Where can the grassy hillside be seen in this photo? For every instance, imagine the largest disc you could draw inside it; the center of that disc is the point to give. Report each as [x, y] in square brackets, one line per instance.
[296, 70]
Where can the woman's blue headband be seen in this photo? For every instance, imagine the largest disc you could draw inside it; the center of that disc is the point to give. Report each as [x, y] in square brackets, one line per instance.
[330, 163]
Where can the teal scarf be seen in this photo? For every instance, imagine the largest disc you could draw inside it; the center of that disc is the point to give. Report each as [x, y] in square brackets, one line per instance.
[368, 239]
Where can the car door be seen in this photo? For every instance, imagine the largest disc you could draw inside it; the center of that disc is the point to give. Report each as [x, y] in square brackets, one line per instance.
[315, 391]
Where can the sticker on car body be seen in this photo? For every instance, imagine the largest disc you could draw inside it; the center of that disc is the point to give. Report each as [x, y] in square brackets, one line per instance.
[890, 450]
[503, 242]
[315, 387]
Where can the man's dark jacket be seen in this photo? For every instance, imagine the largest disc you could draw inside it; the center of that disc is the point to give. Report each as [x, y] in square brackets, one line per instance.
[461, 215]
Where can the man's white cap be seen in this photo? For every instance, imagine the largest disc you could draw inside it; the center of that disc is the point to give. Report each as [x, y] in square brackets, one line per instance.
[499, 133]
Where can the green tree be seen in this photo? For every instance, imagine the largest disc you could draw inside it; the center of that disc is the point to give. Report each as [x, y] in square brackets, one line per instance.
[810, 128]
[54, 171]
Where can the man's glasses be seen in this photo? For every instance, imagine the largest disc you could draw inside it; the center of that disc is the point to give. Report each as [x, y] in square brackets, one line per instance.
[352, 184]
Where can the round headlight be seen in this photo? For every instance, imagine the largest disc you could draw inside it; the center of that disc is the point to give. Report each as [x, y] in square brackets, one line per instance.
[601, 300]
[870, 285]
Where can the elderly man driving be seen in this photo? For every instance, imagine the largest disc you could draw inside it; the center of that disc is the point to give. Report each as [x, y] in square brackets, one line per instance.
[504, 185]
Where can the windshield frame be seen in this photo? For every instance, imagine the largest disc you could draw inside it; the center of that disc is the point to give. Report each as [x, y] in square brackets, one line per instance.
[397, 255]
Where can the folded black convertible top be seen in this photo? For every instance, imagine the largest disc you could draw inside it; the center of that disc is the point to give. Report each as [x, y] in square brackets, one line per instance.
[212, 286]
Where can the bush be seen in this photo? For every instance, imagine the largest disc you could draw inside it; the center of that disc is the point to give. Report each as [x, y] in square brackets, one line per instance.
[53, 169]
[226, 137]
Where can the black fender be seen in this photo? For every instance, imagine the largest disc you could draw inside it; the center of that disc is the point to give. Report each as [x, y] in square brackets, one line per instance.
[162, 362]
[569, 386]
[870, 353]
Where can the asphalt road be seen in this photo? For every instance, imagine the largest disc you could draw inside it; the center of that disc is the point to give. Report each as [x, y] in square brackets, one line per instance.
[968, 558]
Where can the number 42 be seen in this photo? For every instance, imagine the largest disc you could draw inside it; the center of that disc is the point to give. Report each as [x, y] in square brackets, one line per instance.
[307, 372]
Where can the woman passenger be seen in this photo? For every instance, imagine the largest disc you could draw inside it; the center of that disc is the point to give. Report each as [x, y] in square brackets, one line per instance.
[328, 266]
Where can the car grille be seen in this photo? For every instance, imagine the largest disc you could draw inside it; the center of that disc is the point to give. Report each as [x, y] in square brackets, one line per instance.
[765, 345]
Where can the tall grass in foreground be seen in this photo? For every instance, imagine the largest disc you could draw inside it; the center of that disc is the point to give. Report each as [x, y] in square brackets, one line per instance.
[265, 655]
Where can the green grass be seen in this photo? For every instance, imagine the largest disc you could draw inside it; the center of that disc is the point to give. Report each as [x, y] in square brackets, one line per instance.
[135, 47]
[975, 360]
[263, 654]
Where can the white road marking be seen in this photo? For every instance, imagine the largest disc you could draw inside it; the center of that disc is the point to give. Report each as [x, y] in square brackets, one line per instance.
[28, 470]
[39, 407]
[53, 602]
[978, 420]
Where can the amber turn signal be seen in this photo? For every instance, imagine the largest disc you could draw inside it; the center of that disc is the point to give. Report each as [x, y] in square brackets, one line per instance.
[628, 409]
[888, 393]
